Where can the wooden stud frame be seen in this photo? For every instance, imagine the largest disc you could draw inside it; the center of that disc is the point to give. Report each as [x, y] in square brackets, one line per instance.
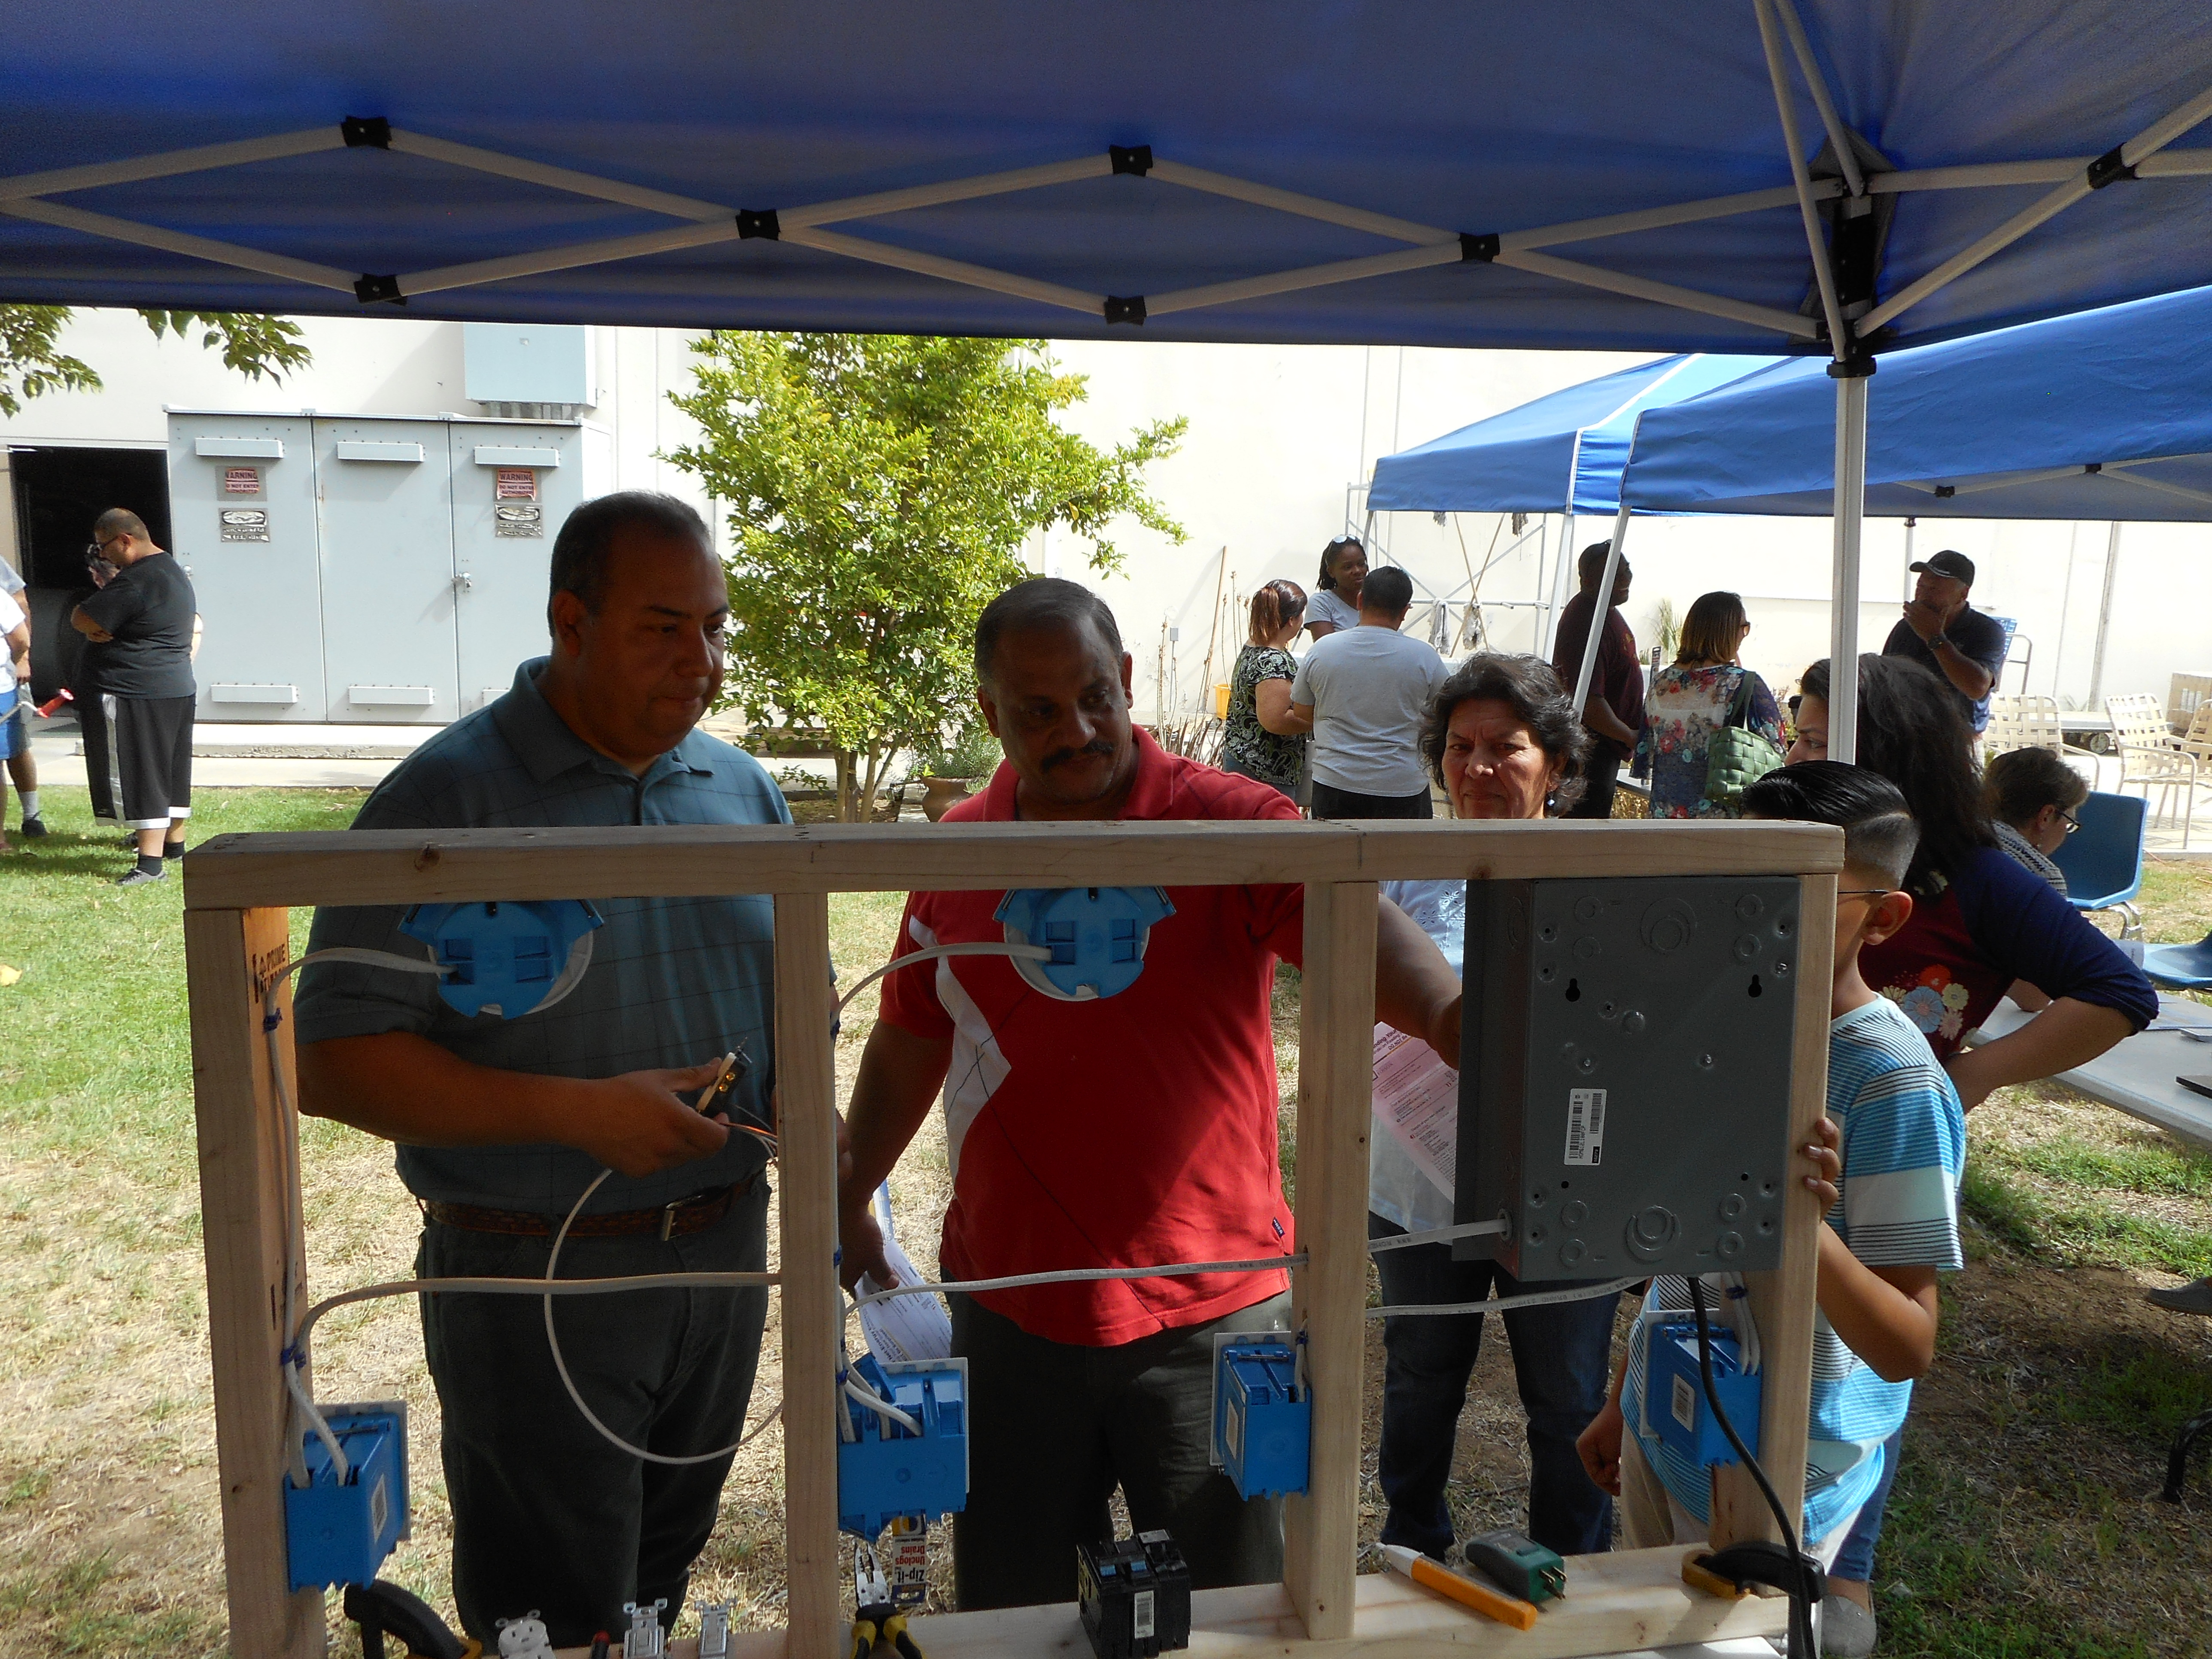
[238, 888]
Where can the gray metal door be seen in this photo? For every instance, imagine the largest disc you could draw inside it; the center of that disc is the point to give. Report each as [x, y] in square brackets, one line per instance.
[242, 516]
[387, 567]
[514, 486]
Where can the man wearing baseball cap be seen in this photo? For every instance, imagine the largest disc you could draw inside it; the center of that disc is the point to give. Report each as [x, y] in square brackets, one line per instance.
[1966, 647]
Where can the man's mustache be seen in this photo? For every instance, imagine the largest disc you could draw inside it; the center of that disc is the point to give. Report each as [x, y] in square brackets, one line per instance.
[1099, 747]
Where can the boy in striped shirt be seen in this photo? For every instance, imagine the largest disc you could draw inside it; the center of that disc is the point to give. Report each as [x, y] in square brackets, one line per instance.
[1887, 1162]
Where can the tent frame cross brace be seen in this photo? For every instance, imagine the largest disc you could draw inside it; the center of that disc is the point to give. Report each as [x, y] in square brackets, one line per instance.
[239, 891]
[1852, 324]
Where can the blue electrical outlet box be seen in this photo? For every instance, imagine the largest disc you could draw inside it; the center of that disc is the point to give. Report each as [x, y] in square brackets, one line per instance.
[507, 956]
[1674, 1393]
[1096, 936]
[338, 1532]
[1262, 1419]
[889, 1471]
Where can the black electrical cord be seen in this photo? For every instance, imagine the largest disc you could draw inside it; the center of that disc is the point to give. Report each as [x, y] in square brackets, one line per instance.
[1804, 1573]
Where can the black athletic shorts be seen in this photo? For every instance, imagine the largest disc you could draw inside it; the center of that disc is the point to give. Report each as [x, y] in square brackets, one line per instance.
[153, 754]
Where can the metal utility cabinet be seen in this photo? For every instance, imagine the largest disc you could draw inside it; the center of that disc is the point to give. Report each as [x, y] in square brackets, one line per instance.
[368, 568]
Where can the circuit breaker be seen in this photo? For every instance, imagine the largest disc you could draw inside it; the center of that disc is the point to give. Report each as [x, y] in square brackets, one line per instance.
[1624, 1073]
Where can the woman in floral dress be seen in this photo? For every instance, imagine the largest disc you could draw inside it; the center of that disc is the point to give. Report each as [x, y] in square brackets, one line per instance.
[1262, 738]
[1690, 697]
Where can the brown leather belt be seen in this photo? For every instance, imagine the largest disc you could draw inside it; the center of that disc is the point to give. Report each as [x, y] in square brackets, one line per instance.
[685, 1215]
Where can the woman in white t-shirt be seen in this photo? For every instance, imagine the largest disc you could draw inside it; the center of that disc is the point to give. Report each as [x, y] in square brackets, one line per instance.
[14, 665]
[1336, 601]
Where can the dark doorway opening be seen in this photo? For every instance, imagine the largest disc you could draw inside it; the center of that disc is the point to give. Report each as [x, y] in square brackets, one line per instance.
[59, 492]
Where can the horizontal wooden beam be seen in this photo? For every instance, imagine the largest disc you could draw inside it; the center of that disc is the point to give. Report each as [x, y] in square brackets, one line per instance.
[408, 867]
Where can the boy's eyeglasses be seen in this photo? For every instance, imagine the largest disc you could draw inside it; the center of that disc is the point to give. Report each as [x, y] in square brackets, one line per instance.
[1864, 892]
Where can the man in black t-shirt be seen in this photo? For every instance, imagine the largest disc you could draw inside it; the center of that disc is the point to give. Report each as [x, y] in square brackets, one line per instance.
[141, 627]
[1964, 648]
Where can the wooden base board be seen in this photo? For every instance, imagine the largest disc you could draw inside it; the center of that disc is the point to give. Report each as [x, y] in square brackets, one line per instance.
[1615, 1603]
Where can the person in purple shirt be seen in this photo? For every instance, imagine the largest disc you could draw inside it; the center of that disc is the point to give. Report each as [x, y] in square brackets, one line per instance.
[1613, 712]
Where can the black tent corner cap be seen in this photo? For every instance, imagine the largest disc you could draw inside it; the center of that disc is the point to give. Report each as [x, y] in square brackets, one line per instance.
[1482, 249]
[760, 222]
[372, 290]
[2093, 466]
[1131, 158]
[366, 132]
[1856, 367]
[2109, 169]
[1944, 492]
[1125, 308]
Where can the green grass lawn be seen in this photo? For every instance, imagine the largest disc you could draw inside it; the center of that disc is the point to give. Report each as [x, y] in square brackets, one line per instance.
[2026, 1521]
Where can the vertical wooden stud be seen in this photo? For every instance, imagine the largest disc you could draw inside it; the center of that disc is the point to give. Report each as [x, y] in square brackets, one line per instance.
[1336, 1055]
[806, 1154]
[1783, 1301]
[248, 1146]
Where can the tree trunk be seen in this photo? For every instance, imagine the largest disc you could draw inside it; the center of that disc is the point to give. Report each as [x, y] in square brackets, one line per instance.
[845, 813]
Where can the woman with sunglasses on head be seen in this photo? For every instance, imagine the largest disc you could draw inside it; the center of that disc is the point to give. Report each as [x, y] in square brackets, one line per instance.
[1335, 602]
[2031, 796]
[1980, 924]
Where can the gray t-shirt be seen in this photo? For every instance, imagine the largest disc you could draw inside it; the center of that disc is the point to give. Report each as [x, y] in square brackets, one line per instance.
[1322, 605]
[1369, 687]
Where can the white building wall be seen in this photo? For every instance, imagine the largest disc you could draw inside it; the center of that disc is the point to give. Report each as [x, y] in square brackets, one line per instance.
[1277, 436]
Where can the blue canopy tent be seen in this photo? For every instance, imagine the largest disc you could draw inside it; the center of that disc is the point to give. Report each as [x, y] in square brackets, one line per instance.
[2104, 414]
[1562, 452]
[1008, 168]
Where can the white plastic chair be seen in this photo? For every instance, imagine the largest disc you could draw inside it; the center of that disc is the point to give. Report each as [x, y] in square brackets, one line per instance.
[2150, 755]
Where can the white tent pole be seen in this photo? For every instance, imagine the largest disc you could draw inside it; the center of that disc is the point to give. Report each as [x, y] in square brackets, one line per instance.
[2153, 138]
[2104, 615]
[1911, 525]
[177, 241]
[1851, 511]
[1785, 106]
[1665, 294]
[170, 163]
[1559, 587]
[1838, 136]
[1601, 609]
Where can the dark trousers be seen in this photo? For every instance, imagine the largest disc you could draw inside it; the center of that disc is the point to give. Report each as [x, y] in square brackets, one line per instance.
[1856, 1559]
[546, 1513]
[1331, 802]
[1601, 777]
[1561, 1360]
[1054, 1428]
[153, 739]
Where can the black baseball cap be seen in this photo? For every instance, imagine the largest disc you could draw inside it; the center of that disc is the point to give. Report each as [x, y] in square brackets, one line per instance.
[1957, 566]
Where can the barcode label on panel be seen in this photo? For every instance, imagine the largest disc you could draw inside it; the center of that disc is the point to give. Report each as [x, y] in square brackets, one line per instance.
[1585, 1126]
[1143, 1622]
[1686, 1404]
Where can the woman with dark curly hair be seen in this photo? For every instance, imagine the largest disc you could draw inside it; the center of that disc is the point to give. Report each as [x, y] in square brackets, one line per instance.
[1503, 739]
[1335, 602]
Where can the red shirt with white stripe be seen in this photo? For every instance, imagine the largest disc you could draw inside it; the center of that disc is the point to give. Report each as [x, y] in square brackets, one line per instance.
[1133, 1130]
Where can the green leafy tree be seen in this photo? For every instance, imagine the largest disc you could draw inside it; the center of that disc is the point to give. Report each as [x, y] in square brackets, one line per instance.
[879, 488]
[33, 363]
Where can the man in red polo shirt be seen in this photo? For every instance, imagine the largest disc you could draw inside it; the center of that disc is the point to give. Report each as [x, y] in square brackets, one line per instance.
[1138, 1130]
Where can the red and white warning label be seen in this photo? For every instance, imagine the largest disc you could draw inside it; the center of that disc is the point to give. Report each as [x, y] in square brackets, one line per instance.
[241, 481]
[514, 484]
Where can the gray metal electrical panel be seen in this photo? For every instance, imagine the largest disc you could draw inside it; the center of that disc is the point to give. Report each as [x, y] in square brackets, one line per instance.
[1624, 1079]
[367, 568]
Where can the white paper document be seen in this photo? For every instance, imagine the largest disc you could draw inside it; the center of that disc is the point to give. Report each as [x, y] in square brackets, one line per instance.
[907, 1327]
[1417, 1101]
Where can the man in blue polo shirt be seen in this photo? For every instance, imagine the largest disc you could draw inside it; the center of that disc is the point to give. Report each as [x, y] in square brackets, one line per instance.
[502, 1123]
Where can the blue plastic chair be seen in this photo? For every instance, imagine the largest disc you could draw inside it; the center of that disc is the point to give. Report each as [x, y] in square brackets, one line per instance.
[2103, 861]
[2180, 966]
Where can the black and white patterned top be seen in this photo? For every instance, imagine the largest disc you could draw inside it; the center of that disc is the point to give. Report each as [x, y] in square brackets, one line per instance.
[1254, 749]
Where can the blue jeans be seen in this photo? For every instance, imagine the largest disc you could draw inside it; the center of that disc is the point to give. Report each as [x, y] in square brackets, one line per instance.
[1561, 1359]
[1856, 1559]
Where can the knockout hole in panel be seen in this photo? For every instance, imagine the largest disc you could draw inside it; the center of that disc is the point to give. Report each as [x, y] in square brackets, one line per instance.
[1574, 990]
[1756, 989]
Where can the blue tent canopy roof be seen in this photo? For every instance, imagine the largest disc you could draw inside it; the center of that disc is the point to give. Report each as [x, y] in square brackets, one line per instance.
[584, 162]
[1560, 452]
[2004, 425]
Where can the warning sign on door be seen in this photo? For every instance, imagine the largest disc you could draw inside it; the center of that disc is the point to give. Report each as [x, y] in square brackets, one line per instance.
[241, 481]
[244, 524]
[518, 522]
[514, 484]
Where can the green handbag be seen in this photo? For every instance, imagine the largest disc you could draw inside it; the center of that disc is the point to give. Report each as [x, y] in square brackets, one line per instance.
[1735, 756]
